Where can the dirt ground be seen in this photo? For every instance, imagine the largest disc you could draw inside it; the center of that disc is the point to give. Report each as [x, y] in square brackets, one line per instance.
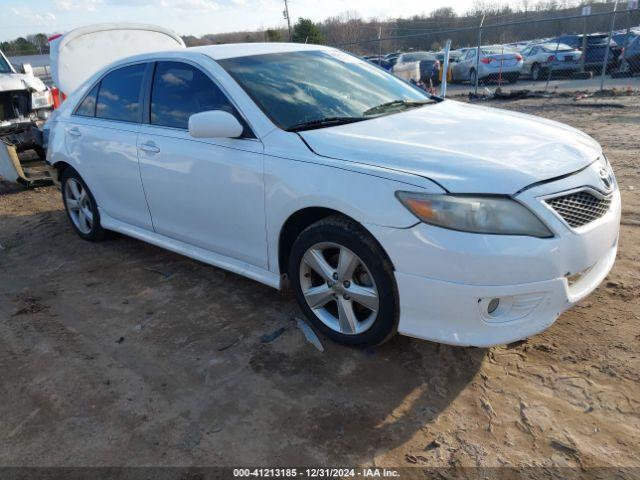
[121, 353]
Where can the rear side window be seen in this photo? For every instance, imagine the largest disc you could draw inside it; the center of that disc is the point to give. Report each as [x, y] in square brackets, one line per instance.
[87, 107]
[119, 95]
[180, 90]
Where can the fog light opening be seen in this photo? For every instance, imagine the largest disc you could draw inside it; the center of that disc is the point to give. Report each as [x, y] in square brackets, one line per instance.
[494, 303]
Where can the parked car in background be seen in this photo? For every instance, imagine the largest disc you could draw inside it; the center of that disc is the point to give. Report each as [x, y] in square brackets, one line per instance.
[496, 63]
[380, 61]
[418, 67]
[596, 48]
[392, 58]
[557, 58]
[630, 55]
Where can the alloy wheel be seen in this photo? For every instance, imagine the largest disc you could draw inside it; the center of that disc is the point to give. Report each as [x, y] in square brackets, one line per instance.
[339, 288]
[535, 72]
[78, 205]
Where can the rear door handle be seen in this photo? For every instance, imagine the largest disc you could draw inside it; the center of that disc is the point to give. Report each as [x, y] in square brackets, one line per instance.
[149, 147]
[74, 131]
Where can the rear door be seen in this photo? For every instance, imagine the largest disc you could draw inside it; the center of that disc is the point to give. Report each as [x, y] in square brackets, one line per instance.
[206, 192]
[101, 136]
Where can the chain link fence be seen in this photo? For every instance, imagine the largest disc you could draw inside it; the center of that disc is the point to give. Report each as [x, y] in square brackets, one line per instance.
[586, 51]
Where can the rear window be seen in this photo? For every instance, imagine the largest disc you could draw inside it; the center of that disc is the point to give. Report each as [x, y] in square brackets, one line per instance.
[496, 50]
[87, 107]
[119, 95]
[416, 57]
[597, 40]
[557, 48]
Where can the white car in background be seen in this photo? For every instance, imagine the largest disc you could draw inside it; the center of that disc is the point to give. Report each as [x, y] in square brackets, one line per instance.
[385, 208]
[557, 58]
[418, 67]
[496, 63]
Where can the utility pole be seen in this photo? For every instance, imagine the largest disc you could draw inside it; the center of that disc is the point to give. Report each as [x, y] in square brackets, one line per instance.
[286, 15]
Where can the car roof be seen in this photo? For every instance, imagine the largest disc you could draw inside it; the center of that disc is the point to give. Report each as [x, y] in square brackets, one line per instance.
[232, 50]
[228, 50]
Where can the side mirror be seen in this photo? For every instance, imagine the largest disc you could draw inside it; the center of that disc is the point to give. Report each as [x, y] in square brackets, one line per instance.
[214, 124]
[27, 69]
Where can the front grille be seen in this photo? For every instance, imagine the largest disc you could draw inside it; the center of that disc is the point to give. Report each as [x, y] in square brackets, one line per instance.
[580, 208]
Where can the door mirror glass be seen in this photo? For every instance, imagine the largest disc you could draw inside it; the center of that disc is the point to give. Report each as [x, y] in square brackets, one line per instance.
[214, 124]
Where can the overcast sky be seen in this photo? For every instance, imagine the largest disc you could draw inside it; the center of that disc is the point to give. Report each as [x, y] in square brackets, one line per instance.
[196, 17]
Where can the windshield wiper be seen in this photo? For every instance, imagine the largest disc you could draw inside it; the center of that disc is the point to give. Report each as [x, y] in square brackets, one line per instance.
[398, 103]
[324, 122]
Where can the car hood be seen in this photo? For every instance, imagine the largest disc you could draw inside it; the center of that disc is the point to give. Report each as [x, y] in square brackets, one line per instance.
[465, 148]
[18, 81]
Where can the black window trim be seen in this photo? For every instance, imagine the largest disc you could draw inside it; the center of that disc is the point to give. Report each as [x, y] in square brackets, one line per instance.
[248, 134]
[99, 85]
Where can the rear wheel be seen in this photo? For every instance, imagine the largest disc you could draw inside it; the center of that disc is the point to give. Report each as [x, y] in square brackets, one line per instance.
[81, 207]
[344, 282]
[472, 77]
[536, 72]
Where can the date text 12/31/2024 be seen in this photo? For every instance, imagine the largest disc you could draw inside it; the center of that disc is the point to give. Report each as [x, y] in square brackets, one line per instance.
[316, 473]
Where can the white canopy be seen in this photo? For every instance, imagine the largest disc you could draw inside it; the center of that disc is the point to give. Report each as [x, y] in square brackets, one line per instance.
[80, 53]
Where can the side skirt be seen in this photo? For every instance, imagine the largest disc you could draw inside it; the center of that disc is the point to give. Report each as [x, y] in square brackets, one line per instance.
[241, 268]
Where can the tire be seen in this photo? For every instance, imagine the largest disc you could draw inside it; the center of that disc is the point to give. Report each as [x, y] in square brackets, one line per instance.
[536, 72]
[472, 77]
[337, 312]
[79, 203]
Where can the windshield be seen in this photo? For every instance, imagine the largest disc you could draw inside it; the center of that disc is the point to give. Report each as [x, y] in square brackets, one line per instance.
[4, 66]
[293, 88]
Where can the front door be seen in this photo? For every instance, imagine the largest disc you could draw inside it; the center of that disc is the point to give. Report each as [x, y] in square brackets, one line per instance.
[205, 192]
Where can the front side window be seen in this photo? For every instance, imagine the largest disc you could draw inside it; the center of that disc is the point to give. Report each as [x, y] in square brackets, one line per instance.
[180, 90]
[295, 88]
[119, 94]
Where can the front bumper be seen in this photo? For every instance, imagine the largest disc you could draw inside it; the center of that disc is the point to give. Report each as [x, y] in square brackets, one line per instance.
[446, 279]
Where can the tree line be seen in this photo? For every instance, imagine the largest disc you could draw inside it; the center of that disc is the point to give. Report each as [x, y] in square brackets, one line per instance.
[536, 20]
[36, 44]
[419, 32]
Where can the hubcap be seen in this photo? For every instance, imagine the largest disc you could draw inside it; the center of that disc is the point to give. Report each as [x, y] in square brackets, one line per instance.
[339, 288]
[78, 205]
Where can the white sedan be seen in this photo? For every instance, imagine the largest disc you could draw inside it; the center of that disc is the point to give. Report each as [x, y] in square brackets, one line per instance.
[539, 60]
[386, 209]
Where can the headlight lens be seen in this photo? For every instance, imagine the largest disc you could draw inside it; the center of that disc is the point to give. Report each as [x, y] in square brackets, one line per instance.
[41, 99]
[477, 214]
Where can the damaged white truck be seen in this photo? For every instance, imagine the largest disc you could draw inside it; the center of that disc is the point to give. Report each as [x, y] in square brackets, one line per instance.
[25, 104]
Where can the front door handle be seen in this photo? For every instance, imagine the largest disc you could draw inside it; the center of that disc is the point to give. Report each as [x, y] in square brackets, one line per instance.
[74, 131]
[149, 148]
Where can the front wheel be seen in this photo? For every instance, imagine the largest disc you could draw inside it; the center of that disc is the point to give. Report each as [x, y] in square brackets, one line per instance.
[344, 282]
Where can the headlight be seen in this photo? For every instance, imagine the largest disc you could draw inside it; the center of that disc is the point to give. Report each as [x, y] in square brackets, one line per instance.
[477, 214]
[41, 99]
